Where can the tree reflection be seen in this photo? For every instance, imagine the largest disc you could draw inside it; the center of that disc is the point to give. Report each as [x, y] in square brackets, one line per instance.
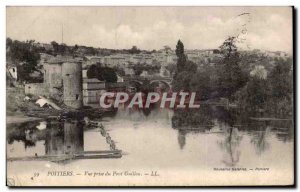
[23, 132]
[192, 118]
[259, 140]
[181, 138]
[230, 145]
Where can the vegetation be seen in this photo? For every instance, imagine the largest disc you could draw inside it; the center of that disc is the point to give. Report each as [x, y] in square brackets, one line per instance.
[257, 85]
[273, 94]
[252, 81]
[106, 74]
[230, 76]
[151, 69]
[185, 70]
[24, 55]
[134, 50]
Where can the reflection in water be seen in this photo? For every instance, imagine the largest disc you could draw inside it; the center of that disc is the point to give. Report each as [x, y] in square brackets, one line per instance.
[181, 138]
[230, 145]
[230, 134]
[191, 118]
[68, 140]
[259, 139]
[218, 120]
[63, 140]
[21, 133]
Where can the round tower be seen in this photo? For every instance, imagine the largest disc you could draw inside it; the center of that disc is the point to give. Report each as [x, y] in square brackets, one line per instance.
[72, 82]
[53, 78]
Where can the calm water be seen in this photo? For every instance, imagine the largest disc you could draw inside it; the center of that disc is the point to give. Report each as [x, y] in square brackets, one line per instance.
[171, 143]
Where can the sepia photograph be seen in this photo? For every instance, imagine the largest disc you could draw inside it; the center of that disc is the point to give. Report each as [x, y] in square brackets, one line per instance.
[150, 96]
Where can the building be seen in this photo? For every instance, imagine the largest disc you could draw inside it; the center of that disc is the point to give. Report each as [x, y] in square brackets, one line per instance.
[92, 90]
[62, 81]
[72, 84]
[53, 75]
[13, 71]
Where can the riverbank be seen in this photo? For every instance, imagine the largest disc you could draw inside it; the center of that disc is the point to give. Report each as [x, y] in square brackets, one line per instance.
[20, 119]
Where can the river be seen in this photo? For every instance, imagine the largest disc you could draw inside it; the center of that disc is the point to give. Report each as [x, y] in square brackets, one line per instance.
[161, 147]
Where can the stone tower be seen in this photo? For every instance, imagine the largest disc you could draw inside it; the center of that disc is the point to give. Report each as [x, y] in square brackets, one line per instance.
[72, 81]
[53, 77]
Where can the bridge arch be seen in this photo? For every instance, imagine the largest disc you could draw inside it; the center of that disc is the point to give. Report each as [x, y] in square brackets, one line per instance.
[167, 84]
[135, 83]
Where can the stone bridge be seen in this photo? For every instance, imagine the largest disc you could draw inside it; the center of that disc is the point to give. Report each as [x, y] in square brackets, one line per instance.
[149, 80]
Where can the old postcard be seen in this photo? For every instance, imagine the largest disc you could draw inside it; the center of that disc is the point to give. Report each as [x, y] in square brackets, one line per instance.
[149, 96]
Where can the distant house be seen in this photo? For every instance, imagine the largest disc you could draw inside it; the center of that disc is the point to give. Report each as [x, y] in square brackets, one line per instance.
[120, 79]
[13, 72]
[129, 71]
[144, 74]
[92, 90]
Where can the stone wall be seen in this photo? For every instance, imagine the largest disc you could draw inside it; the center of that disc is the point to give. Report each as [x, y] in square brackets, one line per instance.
[37, 89]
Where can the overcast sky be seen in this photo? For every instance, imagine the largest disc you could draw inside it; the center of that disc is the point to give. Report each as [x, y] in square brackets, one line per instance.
[267, 28]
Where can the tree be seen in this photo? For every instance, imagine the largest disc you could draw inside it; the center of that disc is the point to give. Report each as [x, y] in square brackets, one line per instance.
[229, 48]
[171, 68]
[280, 79]
[257, 93]
[138, 70]
[134, 50]
[259, 71]
[179, 49]
[59, 48]
[102, 73]
[185, 70]
[231, 77]
[201, 83]
[180, 55]
[55, 46]
[25, 55]
[181, 81]
[8, 42]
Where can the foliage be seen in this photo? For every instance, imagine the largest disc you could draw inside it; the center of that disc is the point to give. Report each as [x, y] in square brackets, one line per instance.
[151, 69]
[185, 70]
[25, 55]
[280, 79]
[102, 73]
[134, 50]
[230, 76]
[171, 68]
[181, 56]
[202, 84]
[257, 94]
[273, 94]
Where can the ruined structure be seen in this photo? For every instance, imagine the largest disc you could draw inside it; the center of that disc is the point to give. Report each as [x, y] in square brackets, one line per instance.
[72, 81]
[53, 78]
[62, 82]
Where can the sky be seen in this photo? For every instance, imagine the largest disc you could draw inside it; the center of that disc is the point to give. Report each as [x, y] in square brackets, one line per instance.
[265, 28]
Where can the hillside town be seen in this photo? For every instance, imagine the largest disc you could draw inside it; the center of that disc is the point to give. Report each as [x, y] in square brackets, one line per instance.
[55, 61]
